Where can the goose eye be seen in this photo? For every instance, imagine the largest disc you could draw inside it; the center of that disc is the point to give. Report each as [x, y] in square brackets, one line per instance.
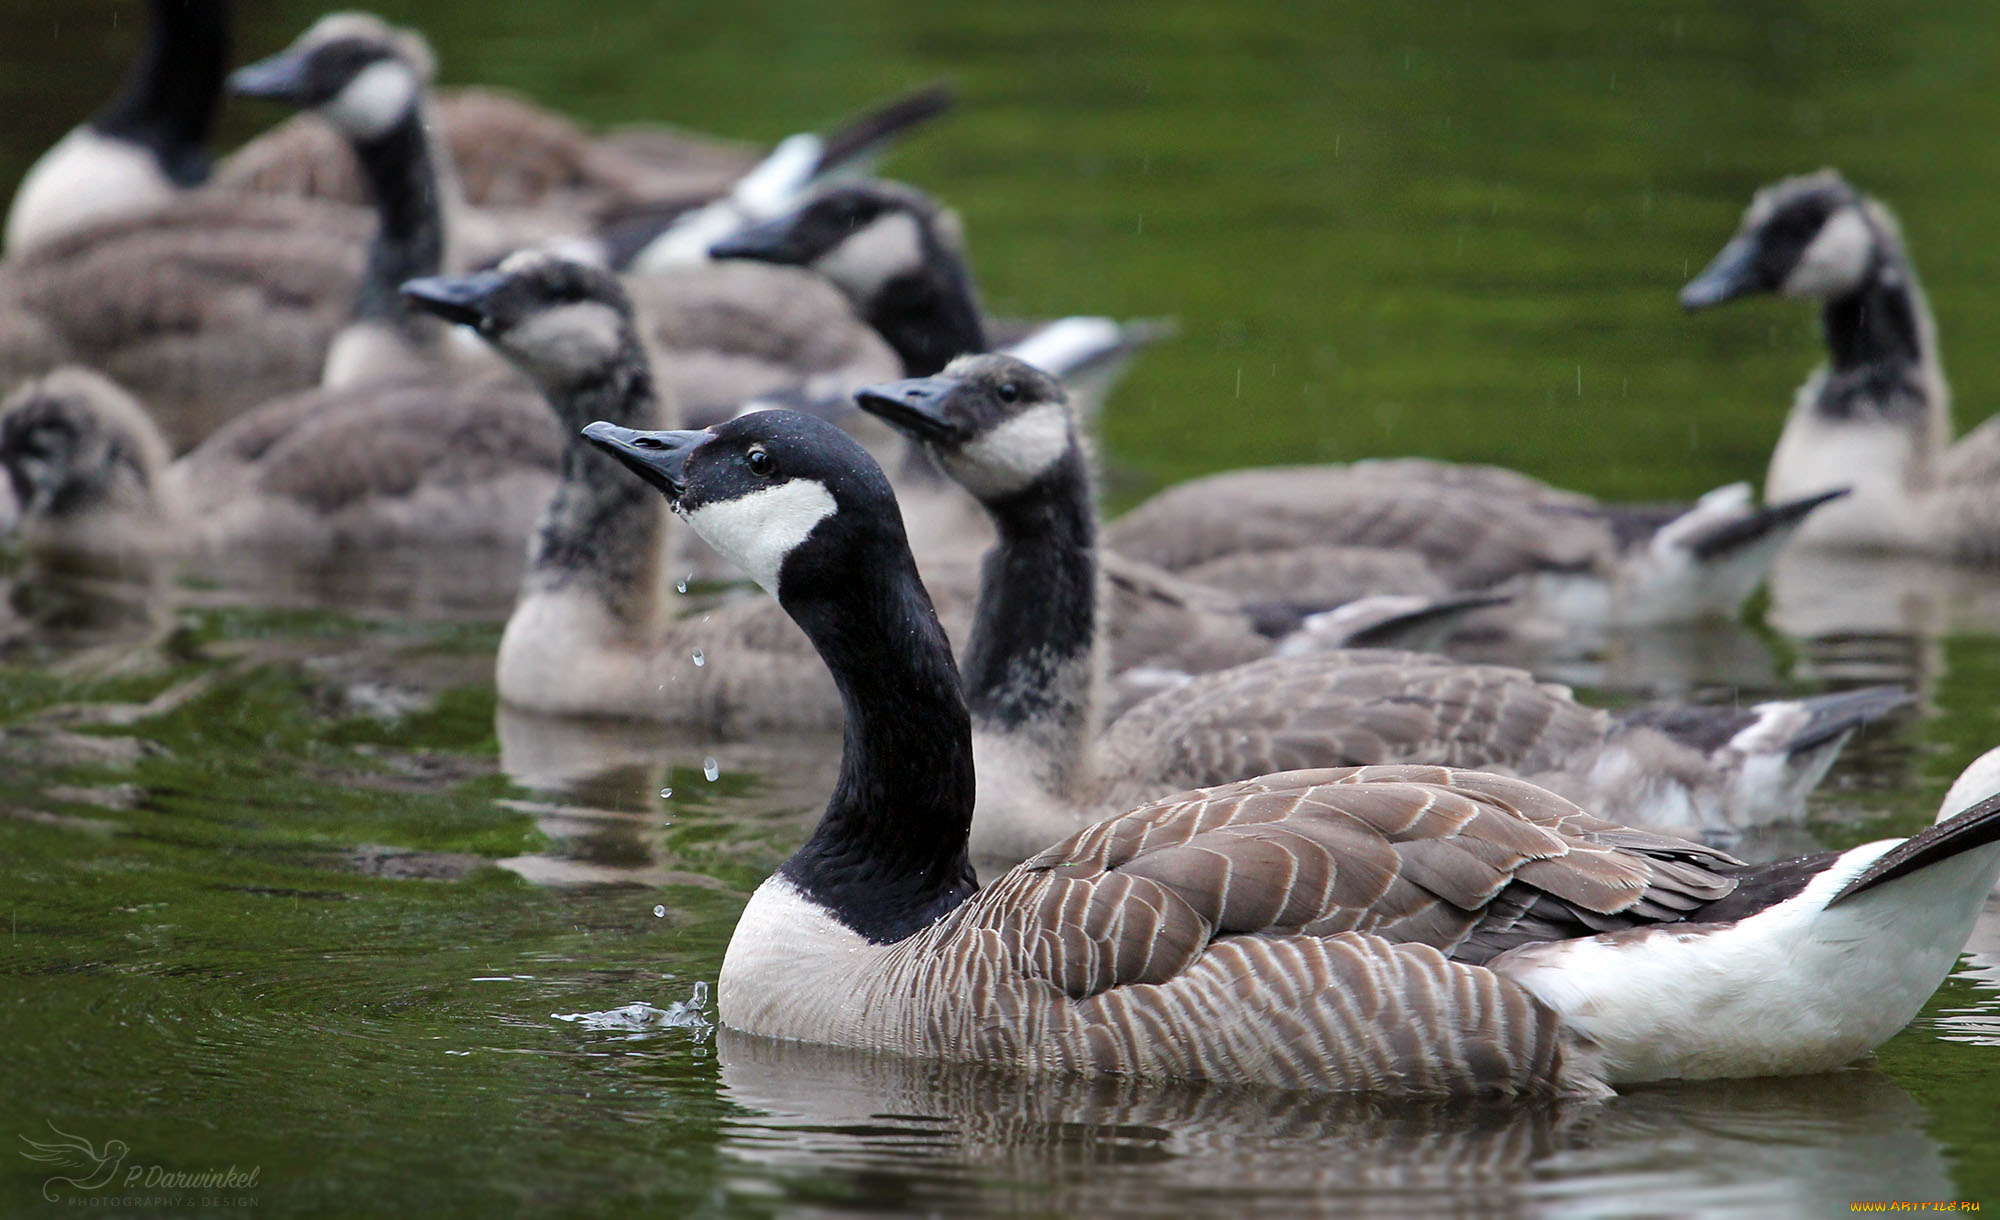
[761, 463]
[1009, 392]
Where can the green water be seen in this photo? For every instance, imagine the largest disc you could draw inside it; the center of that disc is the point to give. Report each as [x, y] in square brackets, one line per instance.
[284, 890]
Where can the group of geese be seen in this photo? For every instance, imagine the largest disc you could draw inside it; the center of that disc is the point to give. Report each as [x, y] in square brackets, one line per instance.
[1234, 825]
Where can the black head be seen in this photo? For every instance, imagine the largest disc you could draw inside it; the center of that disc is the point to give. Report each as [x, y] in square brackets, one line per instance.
[790, 499]
[72, 442]
[996, 424]
[362, 74]
[1811, 236]
[558, 320]
[859, 235]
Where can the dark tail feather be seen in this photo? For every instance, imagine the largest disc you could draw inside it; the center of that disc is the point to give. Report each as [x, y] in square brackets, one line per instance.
[877, 127]
[1389, 633]
[1833, 716]
[1977, 827]
[1756, 526]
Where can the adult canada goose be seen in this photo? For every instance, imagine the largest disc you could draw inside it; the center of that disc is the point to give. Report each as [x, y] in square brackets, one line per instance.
[1477, 526]
[1386, 929]
[147, 144]
[368, 79]
[591, 632]
[1876, 417]
[406, 461]
[1003, 430]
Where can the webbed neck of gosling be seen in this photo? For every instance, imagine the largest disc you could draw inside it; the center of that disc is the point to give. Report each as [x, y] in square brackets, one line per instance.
[1879, 413]
[405, 181]
[1032, 665]
[603, 533]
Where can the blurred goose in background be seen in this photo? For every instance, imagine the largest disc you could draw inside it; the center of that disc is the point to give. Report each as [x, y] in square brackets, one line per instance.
[1033, 666]
[592, 634]
[888, 249]
[1876, 418]
[369, 80]
[147, 145]
[406, 461]
[1504, 940]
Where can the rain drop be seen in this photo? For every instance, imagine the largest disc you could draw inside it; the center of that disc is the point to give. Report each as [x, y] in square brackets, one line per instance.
[659, 912]
[711, 769]
[666, 794]
[681, 585]
[700, 658]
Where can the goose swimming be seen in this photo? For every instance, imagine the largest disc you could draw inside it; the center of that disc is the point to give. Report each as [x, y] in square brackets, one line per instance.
[1876, 418]
[1382, 929]
[891, 250]
[1003, 430]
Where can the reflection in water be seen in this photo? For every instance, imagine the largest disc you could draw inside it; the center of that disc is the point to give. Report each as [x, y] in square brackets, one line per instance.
[912, 1135]
[1877, 618]
[1978, 1023]
[599, 785]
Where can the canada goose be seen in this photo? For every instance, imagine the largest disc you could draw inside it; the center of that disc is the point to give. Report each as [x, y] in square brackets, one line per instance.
[147, 144]
[1877, 417]
[886, 246]
[590, 634]
[391, 463]
[368, 79]
[729, 332]
[1003, 430]
[888, 249]
[1382, 929]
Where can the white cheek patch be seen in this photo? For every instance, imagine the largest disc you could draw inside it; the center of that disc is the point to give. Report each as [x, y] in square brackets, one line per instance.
[1836, 260]
[374, 101]
[559, 343]
[889, 246]
[756, 532]
[1013, 455]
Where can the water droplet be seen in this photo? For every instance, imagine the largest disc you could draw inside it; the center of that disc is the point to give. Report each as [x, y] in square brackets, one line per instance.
[681, 585]
[711, 769]
[659, 912]
[666, 794]
[700, 658]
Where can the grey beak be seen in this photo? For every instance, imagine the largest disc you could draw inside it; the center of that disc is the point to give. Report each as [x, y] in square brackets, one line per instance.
[660, 458]
[461, 298]
[914, 407]
[774, 241]
[1731, 274]
[278, 78]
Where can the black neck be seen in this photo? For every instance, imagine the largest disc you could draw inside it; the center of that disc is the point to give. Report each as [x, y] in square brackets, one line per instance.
[1028, 663]
[169, 101]
[930, 316]
[402, 177]
[1875, 340]
[602, 530]
[889, 856]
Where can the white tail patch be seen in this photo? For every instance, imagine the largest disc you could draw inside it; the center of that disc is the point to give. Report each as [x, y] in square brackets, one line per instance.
[756, 532]
[375, 100]
[1013, 455]
[1836, 260]
[879, 251]
[1974, 784]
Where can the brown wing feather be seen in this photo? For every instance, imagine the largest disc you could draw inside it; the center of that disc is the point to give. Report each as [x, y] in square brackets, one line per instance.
[1469, 535]
[1341, 709]
[1468, 862]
